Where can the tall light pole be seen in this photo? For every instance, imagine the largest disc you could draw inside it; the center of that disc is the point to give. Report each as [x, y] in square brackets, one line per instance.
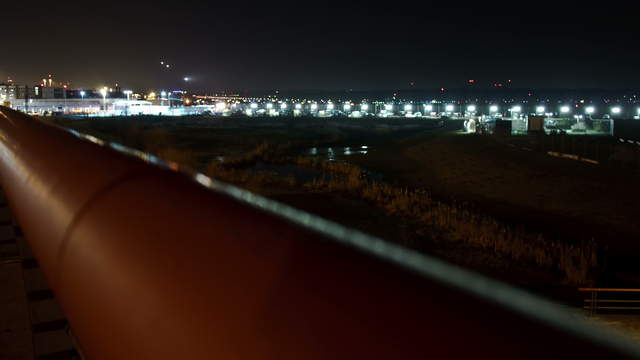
[103, 91]
[515, 110]
[64, 89]
[82, 99]
[126, 106]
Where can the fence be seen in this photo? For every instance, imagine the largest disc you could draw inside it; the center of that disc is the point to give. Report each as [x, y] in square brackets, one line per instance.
[593, 302]
[152, 263]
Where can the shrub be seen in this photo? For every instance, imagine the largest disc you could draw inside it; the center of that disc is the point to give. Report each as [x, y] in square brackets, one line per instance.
[456, 222]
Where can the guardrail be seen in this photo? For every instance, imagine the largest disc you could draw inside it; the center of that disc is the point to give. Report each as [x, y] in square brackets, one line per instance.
[152, 263]
[591, 304]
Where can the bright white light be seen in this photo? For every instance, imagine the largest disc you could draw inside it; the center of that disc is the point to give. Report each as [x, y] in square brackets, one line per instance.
[493, 108]
[449, 108]
[365, 107]
[471, 108]
[565, 109]
[428, 107]
[516, 108]
[103, 91]
[616, 110]
[126, 92]
[408, 107]
[388, 107]
[330, 106]
[298, 106]
[346, 107]
[163, 93]
[253, 106]
[186, 78]
[638, 111]
[590, 110]
[283, 106]
[540, 109]
[220, 106]
[269, 106]
[82, 93]
[314, 106]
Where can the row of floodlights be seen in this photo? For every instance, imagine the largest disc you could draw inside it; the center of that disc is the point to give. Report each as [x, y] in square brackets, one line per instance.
[427, 107]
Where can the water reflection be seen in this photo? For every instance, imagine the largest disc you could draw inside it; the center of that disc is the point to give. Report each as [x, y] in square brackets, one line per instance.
[331, 153]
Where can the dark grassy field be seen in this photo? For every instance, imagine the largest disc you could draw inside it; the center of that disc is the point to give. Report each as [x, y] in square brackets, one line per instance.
[570, 198]
[509, 179]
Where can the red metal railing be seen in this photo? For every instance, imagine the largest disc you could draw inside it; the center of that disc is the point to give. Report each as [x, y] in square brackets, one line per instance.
[150, 263]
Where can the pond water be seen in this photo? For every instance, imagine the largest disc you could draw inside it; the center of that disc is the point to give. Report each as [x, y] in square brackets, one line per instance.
[305, 175]
[331, 153]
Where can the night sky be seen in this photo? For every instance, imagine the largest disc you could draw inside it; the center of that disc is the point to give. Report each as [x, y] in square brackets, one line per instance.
[310, 46]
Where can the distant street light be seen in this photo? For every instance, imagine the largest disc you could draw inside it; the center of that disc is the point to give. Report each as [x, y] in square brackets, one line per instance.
[364, 107]
[314, 106]
[253, 106]
[449, 108]
[616, 110]
[346, 107]
[388, 107]
[330, 106]
[428, 108]
[493, 108]
[540, 110]
[471, 108]
[82, 93]
[128, 93]
[269, 106]
[590, 110]
[408, 107]
[283, 106]
[565, 109]
[163, 94]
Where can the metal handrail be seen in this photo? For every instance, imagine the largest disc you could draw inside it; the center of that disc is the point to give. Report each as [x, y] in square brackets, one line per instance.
[152, 263]
[591, 304]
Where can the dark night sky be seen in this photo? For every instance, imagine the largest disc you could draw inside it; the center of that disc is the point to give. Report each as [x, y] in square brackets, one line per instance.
[309, 46]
